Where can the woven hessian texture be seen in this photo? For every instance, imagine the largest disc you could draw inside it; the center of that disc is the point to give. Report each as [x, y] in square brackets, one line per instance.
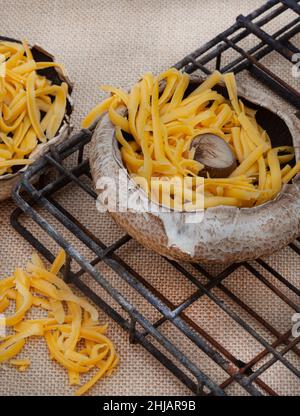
[114, 42]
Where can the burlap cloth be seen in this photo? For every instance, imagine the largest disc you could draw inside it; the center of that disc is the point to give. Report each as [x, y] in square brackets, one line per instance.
[115, 42]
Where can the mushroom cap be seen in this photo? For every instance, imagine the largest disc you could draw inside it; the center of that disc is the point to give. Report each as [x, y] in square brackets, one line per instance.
[9, 181]
[217, 235]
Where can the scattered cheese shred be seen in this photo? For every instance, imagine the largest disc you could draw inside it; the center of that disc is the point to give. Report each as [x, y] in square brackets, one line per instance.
[162, 118]
[22, 365]
[31, 109]
[71, 322]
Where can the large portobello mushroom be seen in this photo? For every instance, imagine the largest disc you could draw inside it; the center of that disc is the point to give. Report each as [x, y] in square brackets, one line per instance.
[226, 234]
[55, 75]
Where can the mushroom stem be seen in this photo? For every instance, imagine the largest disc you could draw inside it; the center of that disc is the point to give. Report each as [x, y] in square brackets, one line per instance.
[215, 154]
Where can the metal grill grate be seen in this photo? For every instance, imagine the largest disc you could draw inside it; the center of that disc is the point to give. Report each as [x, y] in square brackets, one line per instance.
[35, 201]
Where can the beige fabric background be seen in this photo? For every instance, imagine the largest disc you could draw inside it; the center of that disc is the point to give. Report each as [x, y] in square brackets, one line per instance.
[115, 42]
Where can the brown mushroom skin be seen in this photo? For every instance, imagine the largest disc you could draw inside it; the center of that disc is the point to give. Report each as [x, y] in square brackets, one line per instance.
[215, 154]
[226, 234]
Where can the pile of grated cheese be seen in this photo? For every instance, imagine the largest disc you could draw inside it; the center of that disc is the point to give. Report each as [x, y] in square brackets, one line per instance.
[31, 107]
[74, 337]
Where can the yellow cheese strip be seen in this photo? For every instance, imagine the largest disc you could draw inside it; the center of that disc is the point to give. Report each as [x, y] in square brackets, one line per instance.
[60, 357]
[251, 146]
[4, 304]
[133, 104]
[131, 160]
[63, 294]
[27, 49]
[212, 130]
[5, 154]
[28, 144]
[117, 92]
[37, 261]
[74, 378]
[7, 283]
[188, 110]
[5, 128]
[10, 46]
[232, 91]
[285, 158]
[29, 66]
[250, 130]
[294, 171]
[157, 133]
[75, 312]
[17, 136]
[122, 141]
[42, 105]
[14, 59]
[143, 113]
[26, 299]
[213, 183]
[14, 162]
[58, 263]
[44, 65]
[199, 102]
[11, 351]
[18, 108]
[58, 310]
[20, 363]
[40, 302]
[288, 157]
[262, 173]
[251, 159]
[47, 90]
[116, 118]
[179, 128]
[58, 111]
[274, 170]
[102, 371]
[112, 366]
[173, 157]
[15, 343]
[285, 170]
[192, 165]
[17, 95]
[206, 118]
[21, 132]
[47, 119]
[41, 82]
[242, 194]
[209, 83]
[12, 75]
[214, 201]
[97, 353]
[96, 112]
[32, 108]
[43, 274]
[236, 132]
[223, 117]
[12, 294]
[45, 288]
[8, 141]
[179, 91]
[171, 77]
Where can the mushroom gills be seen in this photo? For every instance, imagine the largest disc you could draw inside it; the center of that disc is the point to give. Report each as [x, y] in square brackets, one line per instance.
[215, 154]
